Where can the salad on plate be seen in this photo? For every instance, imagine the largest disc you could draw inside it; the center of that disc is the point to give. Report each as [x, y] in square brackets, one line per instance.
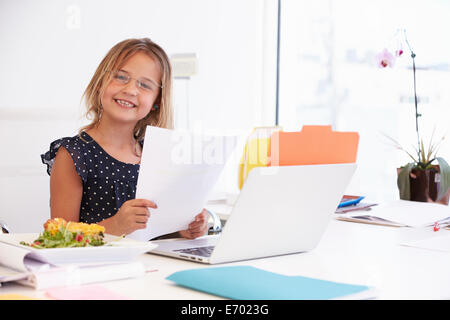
[58, 233]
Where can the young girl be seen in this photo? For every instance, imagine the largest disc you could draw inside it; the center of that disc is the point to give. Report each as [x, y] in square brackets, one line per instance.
[93, 175]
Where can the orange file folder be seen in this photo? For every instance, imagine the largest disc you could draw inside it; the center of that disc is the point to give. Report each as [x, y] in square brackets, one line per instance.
[313, 145]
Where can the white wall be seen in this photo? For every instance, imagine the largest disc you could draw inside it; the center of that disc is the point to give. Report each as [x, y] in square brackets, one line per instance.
[49, 50]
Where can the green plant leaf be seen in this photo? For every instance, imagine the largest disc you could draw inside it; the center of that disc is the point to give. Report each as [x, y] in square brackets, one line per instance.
[444, 185]
[429, 164]
[403, 182]
[423, 152]
[431, 146]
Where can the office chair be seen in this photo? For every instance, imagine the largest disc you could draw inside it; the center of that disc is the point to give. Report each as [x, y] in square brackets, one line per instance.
[4, 227]
[216, 227]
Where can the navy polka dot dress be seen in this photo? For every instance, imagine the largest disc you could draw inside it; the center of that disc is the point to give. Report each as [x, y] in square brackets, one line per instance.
[107, 182]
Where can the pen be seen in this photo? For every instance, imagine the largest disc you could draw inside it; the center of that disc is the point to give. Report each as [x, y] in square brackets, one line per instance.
[350, 201]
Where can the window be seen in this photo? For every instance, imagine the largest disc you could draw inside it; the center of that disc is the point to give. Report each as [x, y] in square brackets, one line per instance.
[328, 75]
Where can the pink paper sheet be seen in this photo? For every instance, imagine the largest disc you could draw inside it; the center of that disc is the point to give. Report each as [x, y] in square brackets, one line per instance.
[88, 292]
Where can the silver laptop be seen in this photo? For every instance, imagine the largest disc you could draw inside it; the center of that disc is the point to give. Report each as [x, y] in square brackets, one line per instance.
[280, 210]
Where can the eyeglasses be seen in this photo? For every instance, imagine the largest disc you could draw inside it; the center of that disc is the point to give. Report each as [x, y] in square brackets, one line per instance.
[123, 77]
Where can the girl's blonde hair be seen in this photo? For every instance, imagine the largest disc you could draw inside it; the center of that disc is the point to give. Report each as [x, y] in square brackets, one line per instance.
[114, 59]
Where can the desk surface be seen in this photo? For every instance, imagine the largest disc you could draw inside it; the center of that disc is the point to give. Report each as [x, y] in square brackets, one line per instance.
[348, 252]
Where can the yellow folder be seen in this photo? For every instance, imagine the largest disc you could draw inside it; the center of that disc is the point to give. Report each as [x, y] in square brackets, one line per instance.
[256, 151]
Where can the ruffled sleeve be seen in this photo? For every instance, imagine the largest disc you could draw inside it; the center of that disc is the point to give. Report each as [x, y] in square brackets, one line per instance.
[75, 149]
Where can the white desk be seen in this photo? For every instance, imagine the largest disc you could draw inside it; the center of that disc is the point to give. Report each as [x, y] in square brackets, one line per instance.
[348, 252]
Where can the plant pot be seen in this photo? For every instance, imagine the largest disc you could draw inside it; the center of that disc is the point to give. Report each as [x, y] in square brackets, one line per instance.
[424, 185]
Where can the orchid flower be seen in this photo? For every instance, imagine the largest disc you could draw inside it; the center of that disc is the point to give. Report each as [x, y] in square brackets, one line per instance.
[385, 58]
[424, 159]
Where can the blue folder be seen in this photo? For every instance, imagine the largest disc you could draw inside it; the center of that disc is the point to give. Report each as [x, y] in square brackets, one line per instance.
[249, 283]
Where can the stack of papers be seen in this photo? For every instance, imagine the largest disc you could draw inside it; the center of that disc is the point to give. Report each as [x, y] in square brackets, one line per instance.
[361, 206]
[353, 203]
[402, 213]
[55, 267]
[250, 283]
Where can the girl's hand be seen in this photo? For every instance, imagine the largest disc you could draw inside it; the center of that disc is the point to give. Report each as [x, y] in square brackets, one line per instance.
[132, 216]
[198, 227]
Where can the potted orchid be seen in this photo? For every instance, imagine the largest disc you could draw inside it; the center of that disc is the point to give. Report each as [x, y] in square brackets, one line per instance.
[427, 177]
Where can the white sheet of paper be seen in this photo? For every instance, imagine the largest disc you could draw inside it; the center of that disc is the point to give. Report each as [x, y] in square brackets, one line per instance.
[438, 243]
[178, 170]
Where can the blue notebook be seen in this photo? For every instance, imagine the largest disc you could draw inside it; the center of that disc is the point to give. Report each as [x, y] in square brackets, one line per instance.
[249, 283]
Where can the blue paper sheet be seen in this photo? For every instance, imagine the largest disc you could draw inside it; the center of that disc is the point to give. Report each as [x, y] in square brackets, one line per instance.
[250, 283]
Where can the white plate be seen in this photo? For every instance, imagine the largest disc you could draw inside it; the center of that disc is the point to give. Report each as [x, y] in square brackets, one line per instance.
[116, 249]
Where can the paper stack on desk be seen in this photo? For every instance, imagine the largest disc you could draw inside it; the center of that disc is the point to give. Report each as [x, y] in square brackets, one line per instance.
[56, 267]
[402, 213]
[353, 203]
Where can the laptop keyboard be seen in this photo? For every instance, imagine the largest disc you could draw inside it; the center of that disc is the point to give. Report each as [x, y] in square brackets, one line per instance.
[200, 251]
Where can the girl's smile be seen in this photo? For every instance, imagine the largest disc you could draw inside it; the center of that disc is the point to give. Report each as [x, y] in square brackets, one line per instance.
[125, 103]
